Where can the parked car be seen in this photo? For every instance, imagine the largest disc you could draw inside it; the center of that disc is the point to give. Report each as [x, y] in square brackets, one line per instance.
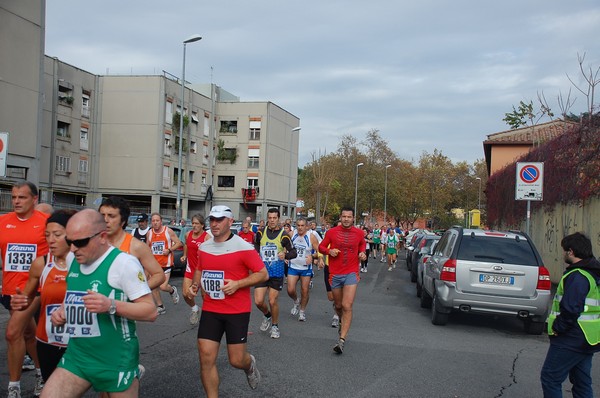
[178, 265]
[489, 272]
[421, 247]
[421, 266]
[411, 244]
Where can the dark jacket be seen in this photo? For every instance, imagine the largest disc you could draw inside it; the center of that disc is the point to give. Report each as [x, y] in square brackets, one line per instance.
[576, 287]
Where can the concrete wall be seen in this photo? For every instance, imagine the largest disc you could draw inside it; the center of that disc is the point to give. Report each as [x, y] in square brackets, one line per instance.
[549, 227]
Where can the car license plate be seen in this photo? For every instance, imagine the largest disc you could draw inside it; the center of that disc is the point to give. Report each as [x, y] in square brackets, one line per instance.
[497, 279]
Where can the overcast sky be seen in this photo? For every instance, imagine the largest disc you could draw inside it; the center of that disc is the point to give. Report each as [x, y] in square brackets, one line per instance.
[427, 74]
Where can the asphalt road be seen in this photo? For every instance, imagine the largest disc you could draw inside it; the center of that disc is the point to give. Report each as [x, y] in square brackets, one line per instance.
[392, 350]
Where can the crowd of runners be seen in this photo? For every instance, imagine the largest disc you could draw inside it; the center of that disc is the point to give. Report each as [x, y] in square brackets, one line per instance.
[75, 284]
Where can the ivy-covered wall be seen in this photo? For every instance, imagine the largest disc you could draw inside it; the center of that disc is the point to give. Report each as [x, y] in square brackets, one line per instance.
[571, 193]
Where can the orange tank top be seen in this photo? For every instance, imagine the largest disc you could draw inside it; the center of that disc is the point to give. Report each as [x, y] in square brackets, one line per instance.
[159, 242]
[53, 287]
[126, 244]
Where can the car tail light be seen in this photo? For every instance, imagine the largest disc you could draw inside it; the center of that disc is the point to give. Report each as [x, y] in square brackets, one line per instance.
[544, 282]
[422, 244]
[425, 258]
[449, 271]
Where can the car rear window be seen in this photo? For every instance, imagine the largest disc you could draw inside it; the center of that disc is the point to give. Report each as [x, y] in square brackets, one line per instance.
[496, 250]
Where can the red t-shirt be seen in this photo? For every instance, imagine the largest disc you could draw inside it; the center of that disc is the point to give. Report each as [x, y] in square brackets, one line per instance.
[247, 236]
[21, 242]
[232, 259]
[350, 242]
[192, 245]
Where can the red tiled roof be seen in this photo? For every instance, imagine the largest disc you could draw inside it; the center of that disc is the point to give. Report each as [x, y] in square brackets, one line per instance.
[530, 134]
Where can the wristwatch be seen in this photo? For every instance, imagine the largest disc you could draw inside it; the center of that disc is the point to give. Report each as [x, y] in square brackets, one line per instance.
[113, 307]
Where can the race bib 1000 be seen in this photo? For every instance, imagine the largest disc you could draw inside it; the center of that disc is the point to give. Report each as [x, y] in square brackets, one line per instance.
[80, 322]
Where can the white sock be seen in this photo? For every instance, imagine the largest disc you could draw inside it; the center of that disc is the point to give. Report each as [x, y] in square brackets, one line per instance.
[195, 308]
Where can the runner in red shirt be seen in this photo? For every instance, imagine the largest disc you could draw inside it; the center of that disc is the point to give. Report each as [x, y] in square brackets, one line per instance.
[22, 240]
[246, 233]
[227, 268]
[345, 245]
[193, 240]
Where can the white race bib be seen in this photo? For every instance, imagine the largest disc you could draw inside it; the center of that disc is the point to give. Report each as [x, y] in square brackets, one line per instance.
[80, 322]
[268, 252]
[158, 247]
[19, 256]
[57, 335]
[212, 282]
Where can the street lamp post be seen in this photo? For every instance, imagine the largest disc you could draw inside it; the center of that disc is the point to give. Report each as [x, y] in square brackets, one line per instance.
[295, 129]
[479, 194]
[356, 190]
[180, 155]
[385, 195]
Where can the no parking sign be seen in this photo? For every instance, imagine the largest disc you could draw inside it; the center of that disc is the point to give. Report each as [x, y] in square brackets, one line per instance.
[530, 181]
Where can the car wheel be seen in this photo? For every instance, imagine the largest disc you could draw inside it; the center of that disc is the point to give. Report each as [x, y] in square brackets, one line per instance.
[425, 299]
[419, 289]
[437, 317]
[534, 327]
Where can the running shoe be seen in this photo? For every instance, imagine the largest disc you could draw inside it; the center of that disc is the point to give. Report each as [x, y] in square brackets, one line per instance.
[295, 307]
[389, 268]
[275, 332]
[14, 392]
[266, 324]
[394, 263]
[310, 285]
[365, 270]
[39, 385]
[141, 371]
[28, 363]
[161, 310]
[175, 295]
[339, 347]
[382, 260]
[253, 375]
[194, 317]
[335, 322]
[302, 316]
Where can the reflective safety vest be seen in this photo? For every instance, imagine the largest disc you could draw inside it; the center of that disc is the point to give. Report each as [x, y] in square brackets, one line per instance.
[589, 319]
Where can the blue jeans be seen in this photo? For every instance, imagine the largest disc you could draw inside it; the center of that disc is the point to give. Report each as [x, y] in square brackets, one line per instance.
[561, 362]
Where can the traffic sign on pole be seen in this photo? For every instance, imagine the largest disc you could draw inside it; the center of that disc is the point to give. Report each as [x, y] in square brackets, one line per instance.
[530, 181]
[3, 153]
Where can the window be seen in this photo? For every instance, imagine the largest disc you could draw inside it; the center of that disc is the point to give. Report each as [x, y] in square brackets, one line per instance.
[226, 182]
[83, 139]
[255, 130]
[62, 130]
[191, 177]
[63, 164]
[166, 179]
[228, 127]
[203, 179]
[252, 182]
[195, 117]
[85, 105]
[169, 112]
[206, 125]
[253, 158]
[204, 154]
[193, 147]
[65, 93]
[167, 146]
[83, 166]
[176, 175]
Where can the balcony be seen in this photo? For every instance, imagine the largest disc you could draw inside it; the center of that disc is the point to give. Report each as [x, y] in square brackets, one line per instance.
[249, 194]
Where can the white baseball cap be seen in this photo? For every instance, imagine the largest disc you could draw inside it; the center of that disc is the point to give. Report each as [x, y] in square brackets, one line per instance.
[220, 212]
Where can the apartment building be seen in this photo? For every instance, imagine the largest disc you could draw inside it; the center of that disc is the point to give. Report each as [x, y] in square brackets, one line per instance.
[21, 88]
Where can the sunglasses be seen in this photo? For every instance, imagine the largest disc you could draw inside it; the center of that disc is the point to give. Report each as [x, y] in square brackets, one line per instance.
[83, 242]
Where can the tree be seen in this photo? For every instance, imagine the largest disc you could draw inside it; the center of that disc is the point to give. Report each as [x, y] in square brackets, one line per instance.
[175, 124]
